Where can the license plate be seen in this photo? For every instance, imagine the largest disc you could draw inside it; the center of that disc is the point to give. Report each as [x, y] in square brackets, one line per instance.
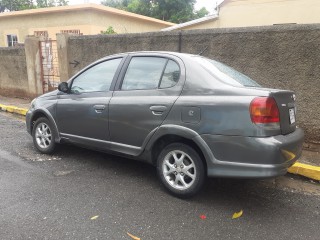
[292, 116]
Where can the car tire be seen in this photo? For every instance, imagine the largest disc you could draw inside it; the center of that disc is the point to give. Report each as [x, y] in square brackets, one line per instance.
[43, 136]
[181, 170]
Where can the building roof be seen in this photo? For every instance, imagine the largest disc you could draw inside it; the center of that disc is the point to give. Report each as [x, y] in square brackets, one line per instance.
[197, 21]
[193, 22]
[90, 6]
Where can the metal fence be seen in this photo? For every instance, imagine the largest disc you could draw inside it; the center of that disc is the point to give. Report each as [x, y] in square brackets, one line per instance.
[49, 65]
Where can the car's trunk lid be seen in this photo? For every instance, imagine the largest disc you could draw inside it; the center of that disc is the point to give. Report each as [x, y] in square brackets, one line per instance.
[287, 108]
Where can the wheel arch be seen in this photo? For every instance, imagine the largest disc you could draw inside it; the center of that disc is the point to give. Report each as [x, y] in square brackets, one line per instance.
[45, 113]
[168, 134]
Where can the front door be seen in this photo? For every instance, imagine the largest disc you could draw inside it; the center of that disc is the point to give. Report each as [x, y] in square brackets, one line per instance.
[82, 114]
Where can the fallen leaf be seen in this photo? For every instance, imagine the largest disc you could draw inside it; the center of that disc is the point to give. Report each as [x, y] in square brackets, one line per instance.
[95, 217]
[237, 214]
[203, 217]
[133, 237]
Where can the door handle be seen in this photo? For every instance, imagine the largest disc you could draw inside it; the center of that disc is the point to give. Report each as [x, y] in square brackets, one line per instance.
[158, 110]
[99, 108]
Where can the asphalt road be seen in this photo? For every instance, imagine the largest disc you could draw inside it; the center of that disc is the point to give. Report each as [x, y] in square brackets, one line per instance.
[55, 197]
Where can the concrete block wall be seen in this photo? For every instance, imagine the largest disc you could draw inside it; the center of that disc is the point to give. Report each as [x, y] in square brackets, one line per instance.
[285, 57]
[13, 72]
[20, 70]
[34, 66]
[86, 49]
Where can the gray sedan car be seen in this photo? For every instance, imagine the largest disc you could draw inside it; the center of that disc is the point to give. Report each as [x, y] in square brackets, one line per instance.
[188, 115]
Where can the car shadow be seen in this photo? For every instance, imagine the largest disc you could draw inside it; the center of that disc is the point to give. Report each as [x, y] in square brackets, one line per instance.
[217, 189]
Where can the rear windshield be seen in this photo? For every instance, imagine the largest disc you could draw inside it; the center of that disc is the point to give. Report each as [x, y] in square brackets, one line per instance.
[225, 73]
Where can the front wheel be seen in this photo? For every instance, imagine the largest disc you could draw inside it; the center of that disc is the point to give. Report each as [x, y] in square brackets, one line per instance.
[181, 170]
[43, 136]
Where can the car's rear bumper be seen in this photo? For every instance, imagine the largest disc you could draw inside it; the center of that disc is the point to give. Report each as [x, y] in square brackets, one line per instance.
[251, 157]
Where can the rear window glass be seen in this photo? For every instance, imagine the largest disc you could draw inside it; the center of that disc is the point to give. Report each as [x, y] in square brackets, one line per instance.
[225, 73]
[171, 75]
[150, 73]
[143, 73]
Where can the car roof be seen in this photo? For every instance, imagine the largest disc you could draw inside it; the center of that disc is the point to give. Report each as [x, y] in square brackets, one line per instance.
[153, 52]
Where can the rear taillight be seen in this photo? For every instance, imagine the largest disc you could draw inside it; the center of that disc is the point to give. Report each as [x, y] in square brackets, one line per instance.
[264, 110]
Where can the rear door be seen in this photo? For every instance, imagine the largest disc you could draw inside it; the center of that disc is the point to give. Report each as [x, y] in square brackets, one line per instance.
[148, 87]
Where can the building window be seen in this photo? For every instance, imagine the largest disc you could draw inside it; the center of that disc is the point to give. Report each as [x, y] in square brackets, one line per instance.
[12, 40]
[72, 31]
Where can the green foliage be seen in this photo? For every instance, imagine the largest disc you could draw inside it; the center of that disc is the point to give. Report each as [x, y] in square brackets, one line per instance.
[109, 30]
[16, 5]
[120, 4]
[202, 12]
[176, 11]
[44, 3]
[62, 2]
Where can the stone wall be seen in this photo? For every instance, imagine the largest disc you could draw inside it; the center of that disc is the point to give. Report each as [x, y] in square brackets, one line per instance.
[20, 70]
[86, 49]
[13, 72]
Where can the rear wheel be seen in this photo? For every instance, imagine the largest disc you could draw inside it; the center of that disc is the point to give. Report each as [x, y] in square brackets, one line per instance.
[43, 136]
[181, 170]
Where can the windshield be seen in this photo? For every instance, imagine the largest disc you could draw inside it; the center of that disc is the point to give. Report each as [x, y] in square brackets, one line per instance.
[226, 73]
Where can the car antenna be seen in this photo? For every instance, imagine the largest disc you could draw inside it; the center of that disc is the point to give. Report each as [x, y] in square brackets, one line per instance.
[203, 50]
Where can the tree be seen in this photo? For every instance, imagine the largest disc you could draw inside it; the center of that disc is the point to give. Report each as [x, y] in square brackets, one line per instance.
[16, 5]
[61, 2]
[44, 3]
[176, 11]
[109, 30]
[51, 3]
[120, 4]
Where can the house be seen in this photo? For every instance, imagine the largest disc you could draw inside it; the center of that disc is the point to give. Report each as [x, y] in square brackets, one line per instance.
[85, 19]
[245, 13]
[200, 23]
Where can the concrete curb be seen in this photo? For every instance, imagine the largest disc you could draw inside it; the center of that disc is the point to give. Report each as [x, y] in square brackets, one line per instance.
[13, 109]
[302, 169]
[305, 170]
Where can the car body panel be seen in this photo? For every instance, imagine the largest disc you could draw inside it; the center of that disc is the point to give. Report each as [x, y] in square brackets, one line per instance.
[77, 116]
[219, 116]
[251, 157]
[139, 112]
[44, 105]
[86, 115]
[132, 115]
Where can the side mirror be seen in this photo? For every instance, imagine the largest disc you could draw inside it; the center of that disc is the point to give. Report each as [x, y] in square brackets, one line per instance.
[63, 87]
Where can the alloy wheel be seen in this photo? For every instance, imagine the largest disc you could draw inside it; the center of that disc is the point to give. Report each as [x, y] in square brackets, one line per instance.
[179, 170]
[43, 135]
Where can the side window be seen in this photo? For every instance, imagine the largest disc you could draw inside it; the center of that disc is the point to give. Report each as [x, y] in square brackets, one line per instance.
[144, 73]
[171, 75]
[97, 78]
